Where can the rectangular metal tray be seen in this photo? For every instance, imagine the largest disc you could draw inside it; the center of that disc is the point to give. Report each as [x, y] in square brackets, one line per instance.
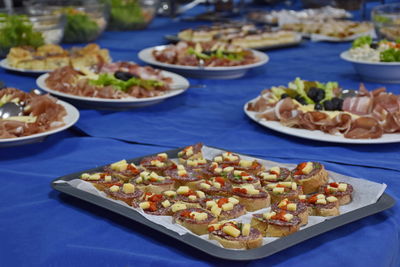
[384, 202]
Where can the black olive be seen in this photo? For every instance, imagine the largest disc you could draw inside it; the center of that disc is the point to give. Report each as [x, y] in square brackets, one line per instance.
[374, 45]
[312, 92]
[337, 103]
[320, 95]
[318, 106]
[328, 105]
[284, 95]
[208, 53]
[124, 76]
[301, 100]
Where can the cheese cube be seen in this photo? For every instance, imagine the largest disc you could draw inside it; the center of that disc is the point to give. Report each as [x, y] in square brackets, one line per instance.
[211, 203]
[283, 203]
[200, 194]
[114, 188]
[139, 180]
[144, 174]
[275, 169]
[199, 216]
[228, 169]
[119, 166]
[332, 189]
[166, 203]
[230, 230]
[253, 191]
[144, 205]
[233, 158]
[308, 168]
[163, 155]
[153, 175]
[217, 185]
[159, 164]
[183, 190]
[331, 199]
[238, 173]
[94, 177]
[278, 190]
[170, 193]
[180, 167]
[217, 170]
[320, 196]
[178, 206]
[288, 217]
[216, 210]
[286, 184]
[189, 151]
[342, 187]
[218, 159]
[191, 163]
[321, 201]
[271, 185]
[205, 186]
[292, 207]
[302, 197]
[233, 200]
[246, 229]
[192, 197]
[107, 178]
[182, 172]
[269, 215]
[245, 163]
[128, 188]
[227, 206]
[294, 186]
[202, 161]
[85, 175]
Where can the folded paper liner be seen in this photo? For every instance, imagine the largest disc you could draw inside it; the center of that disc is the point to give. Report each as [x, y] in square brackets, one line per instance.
[365, 193]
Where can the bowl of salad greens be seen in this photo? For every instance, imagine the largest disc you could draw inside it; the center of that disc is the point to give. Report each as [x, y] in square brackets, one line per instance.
[130, 14]
[85, 20]
[24, 29]
[377, 61]
[386, 19]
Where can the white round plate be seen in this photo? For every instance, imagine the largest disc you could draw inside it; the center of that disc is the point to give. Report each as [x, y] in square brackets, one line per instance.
[179, 85]
[70, 119]
[317, 135]
[4, 65]
[381, 72]
[146, 55]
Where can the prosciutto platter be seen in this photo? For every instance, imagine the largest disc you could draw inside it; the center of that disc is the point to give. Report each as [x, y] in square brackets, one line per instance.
[314, 106]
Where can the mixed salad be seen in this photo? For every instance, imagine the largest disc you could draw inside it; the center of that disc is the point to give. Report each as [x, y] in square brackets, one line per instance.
[364, 48]
[313, 94]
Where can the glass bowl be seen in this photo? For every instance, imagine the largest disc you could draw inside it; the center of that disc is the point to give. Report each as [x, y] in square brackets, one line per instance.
[85, 20]
[386, 19]
[39, 29]
[130, 14]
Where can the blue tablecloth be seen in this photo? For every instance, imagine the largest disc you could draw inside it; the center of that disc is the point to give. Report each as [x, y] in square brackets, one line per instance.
[40, 227]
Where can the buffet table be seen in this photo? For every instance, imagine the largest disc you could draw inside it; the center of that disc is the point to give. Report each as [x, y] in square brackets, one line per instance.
[41, 227]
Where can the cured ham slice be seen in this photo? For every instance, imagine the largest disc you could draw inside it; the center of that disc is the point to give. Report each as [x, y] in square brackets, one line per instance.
[364, 128]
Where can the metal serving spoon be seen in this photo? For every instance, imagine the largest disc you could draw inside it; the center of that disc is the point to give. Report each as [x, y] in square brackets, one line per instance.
[349, 93]
[10, 109]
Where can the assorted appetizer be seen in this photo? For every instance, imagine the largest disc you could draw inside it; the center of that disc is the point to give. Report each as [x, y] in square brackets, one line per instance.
[50, 57]
[342, 191]
[273, 224]
[313, 105]
[158, 187]
[365, 49]
[205, 54]
[196, 220]
[111, 80]
[235, 235]
[310, 175]
[39, 113]
[341, 29]
[246, 35]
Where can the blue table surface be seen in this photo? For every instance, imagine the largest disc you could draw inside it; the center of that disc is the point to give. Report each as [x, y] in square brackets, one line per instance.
[41, 227]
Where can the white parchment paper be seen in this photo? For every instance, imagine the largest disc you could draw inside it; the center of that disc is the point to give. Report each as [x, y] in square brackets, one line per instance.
[365, 193]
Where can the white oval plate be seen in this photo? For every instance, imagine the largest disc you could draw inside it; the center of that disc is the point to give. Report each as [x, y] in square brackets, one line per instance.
[4, 65]
[317, 135]
[146, 55]
[179, 85]
[70, 119]
[381, 72]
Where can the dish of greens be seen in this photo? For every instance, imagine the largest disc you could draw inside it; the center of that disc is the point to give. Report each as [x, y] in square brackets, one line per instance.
[128, 15]
[366, 49]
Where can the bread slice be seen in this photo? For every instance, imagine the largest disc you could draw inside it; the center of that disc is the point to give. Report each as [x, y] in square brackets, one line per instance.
[253, 204]
[196, 228]
[312, 184]
[279, 231]
[237, 244]
[155, 188]
[261, 226]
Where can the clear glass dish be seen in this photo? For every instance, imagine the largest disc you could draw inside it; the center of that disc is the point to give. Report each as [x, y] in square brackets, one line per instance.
[386, 19]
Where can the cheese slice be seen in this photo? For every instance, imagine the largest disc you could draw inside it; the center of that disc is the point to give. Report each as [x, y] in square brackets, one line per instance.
[119, 166]
[230, 230]
[308, 168]
[166, 203]
[144, 205]
[216, 210]
[114, 188]
[178, 206]
[128, 188]
[246, 229]
[183, 190]
[227, 206]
